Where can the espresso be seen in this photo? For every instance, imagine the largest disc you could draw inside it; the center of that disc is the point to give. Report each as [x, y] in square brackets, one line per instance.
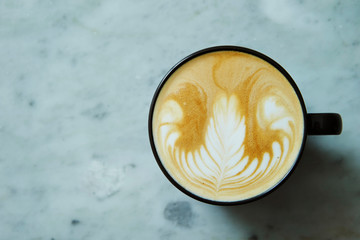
[227, 126]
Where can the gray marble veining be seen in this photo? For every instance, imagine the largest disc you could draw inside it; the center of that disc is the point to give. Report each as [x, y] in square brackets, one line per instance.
[76, 82]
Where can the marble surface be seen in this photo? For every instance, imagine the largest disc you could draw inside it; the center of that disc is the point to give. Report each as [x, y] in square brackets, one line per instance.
[76, 81]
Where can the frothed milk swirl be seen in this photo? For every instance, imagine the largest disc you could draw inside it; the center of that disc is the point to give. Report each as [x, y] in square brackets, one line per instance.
[227, 126]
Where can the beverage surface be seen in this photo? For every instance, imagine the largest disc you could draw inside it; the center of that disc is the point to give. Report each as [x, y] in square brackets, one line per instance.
[227, 126]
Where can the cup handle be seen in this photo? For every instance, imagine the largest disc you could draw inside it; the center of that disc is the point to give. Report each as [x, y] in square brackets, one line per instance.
[324, 124]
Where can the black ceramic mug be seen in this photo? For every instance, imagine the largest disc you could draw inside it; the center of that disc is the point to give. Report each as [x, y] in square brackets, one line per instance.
[227, 125]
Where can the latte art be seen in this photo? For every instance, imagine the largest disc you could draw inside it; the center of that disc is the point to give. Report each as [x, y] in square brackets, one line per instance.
[227, 126]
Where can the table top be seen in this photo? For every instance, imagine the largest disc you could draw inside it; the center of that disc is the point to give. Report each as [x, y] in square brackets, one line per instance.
[76, 82]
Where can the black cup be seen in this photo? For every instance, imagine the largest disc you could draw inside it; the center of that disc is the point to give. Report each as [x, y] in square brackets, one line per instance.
[314, 123]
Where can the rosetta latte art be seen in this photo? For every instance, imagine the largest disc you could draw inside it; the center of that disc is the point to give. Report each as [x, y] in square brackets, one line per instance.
[225, 143]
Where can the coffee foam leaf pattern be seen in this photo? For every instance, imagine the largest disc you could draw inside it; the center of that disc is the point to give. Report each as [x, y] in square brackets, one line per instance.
[219, 166]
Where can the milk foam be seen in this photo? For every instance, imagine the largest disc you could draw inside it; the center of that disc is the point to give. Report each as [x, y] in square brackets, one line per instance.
[225, 141]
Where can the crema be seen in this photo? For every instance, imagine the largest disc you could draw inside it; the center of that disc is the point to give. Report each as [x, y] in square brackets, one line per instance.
[227, 126]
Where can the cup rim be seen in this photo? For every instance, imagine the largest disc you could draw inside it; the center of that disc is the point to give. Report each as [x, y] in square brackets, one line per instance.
[216, 49]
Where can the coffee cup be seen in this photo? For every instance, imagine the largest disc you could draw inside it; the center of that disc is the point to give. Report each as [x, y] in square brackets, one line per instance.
[227, 125]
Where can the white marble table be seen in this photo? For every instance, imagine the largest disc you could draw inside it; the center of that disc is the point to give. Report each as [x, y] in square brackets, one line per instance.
[76, 81]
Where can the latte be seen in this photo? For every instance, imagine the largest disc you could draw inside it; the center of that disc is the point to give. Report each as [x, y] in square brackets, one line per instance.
[227, 126]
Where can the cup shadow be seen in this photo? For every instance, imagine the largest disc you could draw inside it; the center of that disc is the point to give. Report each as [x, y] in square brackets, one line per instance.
[318, 201]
